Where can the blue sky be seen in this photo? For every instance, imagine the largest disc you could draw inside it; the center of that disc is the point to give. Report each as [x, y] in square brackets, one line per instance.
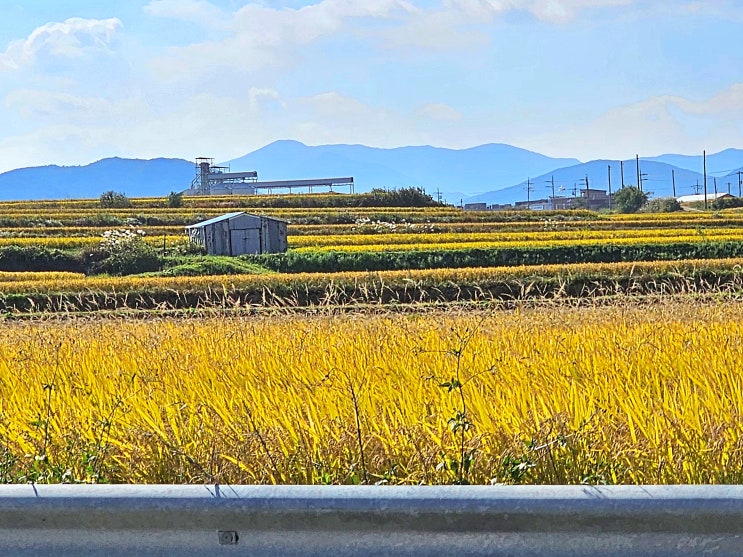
[81, 80]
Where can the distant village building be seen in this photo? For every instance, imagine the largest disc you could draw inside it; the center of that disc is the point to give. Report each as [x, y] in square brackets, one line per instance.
[534, 204]
[561, 203]
[475, 206]
[239, 234]
[595, 199]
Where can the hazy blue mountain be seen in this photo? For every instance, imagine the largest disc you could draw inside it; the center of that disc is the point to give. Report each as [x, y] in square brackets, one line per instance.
[657, 181]
[718, 164]
[456, 173]
[134, 177]
[465, 174]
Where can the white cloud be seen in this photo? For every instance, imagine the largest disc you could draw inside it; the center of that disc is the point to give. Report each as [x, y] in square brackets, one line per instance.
[261, 36]
[220, 126]
[73, 38]
[725, 104]
[727, 9]
[457, 24]
[66, 107]
[436, 30]
[260, 97]
[332, 117]
[547, 10]
[200, 12]
[656, 125]
[440, 112]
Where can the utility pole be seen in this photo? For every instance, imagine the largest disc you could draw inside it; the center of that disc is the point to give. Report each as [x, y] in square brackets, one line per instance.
[552, 199]
[740, 182]
[639, 176]
[610, 187]
[588, 194]
[621, 170]
[528, 191]
[715, 182]
[697, 188]
[673, 181]
[728, 188]
[704, 158]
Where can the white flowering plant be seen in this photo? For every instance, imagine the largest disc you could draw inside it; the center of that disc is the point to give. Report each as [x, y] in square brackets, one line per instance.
[123, 251]
[365, 225]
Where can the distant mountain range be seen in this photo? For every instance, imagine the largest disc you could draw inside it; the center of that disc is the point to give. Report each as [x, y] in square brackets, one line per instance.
[658, 180]
[136, 178]
[493, 173]
[457, 174]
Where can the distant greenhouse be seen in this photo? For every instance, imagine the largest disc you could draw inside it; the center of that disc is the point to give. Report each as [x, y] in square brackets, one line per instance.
[702, 197]
[239, 234]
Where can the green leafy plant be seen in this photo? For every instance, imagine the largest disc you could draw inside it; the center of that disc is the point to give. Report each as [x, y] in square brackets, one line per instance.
[662, 205]
[459, 465]
[175, 200]
[629, 199]
[123, 252]
[114, 200]
[726, 203]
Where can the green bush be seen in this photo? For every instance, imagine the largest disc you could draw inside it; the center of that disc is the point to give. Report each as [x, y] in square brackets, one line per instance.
[629, 199]
[727, 203]
[662, 205]
[402, 197]
[322, 261]
[211, 265]
[115, 200]
[37, 258]
[123, 252]
[175, 200]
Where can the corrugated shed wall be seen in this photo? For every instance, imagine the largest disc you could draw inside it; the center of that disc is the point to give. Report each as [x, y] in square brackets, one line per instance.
[242, 234]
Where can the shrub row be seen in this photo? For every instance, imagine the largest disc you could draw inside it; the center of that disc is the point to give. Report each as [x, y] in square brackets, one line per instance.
[326, 262]
[37, 258]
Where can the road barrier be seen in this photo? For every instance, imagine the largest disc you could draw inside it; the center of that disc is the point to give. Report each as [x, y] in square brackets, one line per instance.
[141, 521]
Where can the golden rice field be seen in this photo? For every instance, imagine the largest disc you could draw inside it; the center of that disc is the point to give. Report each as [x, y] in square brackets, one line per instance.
[628, 393]
[438, 241]
[381, 245]
[57, 282]
[630, 377]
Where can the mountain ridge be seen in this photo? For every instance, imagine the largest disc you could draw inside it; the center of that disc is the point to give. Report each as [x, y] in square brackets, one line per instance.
[491, 173]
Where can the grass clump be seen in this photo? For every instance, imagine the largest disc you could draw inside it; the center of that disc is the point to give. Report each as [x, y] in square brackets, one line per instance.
[211, 265]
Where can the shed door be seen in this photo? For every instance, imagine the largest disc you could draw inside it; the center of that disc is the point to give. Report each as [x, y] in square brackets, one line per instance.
[246, 241]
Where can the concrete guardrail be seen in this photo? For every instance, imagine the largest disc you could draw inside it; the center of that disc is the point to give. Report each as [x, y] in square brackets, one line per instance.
[139, 521]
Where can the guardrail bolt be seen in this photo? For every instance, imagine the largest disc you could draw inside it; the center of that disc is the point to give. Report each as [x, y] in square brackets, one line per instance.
[228, 537]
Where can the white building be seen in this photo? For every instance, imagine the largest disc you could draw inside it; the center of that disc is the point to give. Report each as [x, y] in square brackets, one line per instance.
[700, 197]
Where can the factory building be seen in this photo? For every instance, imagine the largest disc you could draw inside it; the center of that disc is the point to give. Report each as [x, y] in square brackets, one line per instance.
[219, 180]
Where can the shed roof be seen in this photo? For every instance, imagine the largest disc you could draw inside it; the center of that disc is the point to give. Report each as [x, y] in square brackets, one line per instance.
[229, 216]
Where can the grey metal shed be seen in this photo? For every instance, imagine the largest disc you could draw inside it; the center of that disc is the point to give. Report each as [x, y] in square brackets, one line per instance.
[240, 233]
